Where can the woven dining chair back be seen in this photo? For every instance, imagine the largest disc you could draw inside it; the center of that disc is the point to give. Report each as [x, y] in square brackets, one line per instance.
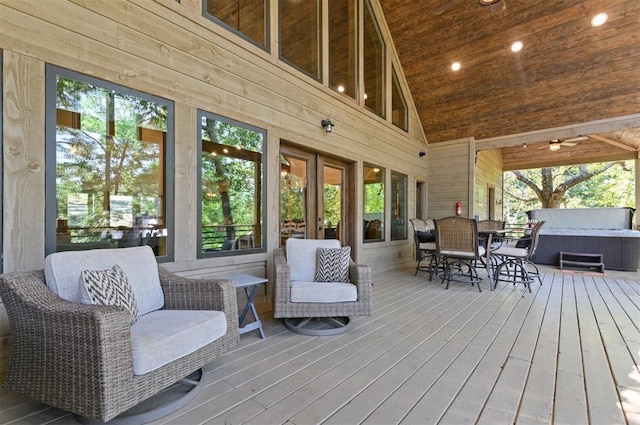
[490, 225]
[457, 235]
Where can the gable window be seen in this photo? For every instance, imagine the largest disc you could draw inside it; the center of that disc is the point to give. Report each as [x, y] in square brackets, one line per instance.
[109, 157]
[300, 35]
[343, 46]
[373, 203]
[398, 104]
[231, 212]
[247, 17]
[374, 63]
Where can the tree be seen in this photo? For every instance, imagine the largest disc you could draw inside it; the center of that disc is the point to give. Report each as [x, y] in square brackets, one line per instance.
[577, 186]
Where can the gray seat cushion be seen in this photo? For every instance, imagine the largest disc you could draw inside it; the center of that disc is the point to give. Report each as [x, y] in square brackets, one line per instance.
[163, 336]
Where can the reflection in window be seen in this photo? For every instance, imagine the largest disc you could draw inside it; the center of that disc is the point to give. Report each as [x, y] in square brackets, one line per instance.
[231, 170]
[398, 104]
[343, 54]
[373, 203]
[248, 17]
[293, 198]
[300, 31]
[110, 162]
[398, 206]
[374, 63]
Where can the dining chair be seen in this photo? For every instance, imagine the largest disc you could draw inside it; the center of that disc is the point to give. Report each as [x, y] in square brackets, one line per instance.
[513, 259]
[425, 244]
[458, 250]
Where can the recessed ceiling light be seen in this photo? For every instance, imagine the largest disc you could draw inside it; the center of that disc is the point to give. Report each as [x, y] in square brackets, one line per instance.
[456, 66]
[516, 46]
[599, 19]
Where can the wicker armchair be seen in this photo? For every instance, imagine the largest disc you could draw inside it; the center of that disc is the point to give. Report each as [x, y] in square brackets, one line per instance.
[78, 357]
[333, 315]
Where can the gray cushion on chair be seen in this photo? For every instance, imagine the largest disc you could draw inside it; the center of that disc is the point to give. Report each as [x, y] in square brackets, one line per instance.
[301, 256]
[62, 273]
[163, 336]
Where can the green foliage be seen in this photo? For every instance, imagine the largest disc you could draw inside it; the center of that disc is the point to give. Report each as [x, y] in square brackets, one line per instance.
[613, 187]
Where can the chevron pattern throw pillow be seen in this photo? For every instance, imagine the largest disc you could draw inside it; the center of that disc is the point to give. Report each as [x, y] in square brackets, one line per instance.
[332, 264]
[110, 287]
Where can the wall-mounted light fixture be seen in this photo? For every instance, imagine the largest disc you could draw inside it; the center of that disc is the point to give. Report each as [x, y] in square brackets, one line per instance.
[422, 153]
[327, 125]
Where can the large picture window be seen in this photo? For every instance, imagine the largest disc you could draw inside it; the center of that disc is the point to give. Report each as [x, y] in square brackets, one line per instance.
[109, 166]
[373, 203]
[398, 104]
[343, 52]
[231, 213]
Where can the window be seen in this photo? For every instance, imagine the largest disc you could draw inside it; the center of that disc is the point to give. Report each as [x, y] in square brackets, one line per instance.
[343, 52]
[247, 17]
[373, 203]
[374, 63]
[109, 166]
[398, 206]
[398, 104]
[231, 213]
[300, 35]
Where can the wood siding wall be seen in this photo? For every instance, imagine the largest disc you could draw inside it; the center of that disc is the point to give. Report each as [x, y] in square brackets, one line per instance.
[168, 49]
[488, 175]
[450, 178]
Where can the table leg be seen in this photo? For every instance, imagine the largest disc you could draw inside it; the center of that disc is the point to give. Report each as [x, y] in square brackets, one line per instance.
[257, 324]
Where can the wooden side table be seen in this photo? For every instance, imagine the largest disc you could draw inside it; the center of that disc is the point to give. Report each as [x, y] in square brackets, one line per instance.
[250, 284]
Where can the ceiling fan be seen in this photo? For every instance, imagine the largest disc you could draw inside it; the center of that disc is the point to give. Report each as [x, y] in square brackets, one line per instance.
[556, 144]
[494, 5]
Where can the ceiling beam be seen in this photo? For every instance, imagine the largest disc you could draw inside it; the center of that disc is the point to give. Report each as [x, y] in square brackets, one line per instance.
[613, 142]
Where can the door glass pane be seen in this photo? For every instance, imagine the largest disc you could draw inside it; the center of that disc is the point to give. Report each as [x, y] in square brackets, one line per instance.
[332, 200]
[343, 54]
[398, 206]
[300, 35]
[373, 203]
[293, 198]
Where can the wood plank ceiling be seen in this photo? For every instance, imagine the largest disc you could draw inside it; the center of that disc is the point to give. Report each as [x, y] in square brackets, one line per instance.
[567, 73]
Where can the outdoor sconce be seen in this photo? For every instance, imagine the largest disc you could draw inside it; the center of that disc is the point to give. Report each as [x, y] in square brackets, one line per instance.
[327, 125]
[422, 153]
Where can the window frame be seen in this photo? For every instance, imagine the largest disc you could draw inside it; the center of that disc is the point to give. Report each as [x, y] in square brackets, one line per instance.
[267, 26]
[383, 192]
[200, 254]
[396, 175]
[51, 74]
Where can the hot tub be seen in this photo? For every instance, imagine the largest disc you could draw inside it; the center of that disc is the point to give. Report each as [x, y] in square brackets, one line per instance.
[619, 247]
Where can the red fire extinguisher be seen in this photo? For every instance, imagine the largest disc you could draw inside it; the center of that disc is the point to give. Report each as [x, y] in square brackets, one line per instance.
[458, 208]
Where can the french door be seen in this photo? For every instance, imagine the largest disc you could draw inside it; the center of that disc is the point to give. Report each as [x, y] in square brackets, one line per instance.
[313, 196]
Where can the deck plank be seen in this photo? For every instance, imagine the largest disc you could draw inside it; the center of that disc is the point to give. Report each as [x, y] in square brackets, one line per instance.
[603, 401]
[570, 399]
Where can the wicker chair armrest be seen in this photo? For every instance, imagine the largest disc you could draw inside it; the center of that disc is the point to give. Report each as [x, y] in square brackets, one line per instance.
[282, 274]
[360, 275]
[87, 342]
[182, 293]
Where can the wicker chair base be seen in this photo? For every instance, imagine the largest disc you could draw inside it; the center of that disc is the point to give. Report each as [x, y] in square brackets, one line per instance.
[158, 406]
[318, 326]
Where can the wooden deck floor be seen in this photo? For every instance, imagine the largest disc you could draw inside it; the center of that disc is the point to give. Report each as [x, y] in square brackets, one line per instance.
[568, 353]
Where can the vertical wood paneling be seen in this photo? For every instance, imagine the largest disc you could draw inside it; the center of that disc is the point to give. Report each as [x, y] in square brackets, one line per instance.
[23, 156]
[448, 178]
[488, 174]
